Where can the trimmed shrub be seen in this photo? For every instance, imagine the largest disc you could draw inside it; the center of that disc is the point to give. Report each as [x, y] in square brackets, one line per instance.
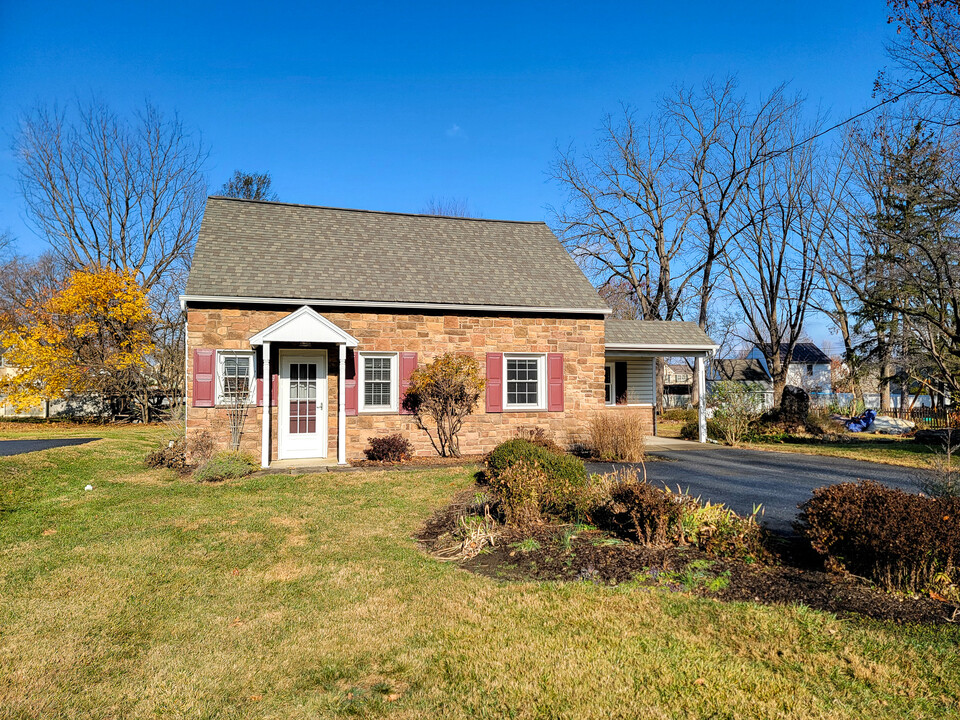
[899, 540]
[684, 415]
[555, 465]
[173, 455]
[556, 480]
[539, 436]
[226, 466]
[617, 436]
[520, 488]
[691, 431]
[388, 448]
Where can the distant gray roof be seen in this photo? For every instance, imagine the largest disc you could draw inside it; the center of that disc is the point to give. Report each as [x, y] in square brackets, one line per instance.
[655, 333]
[805, 353]
[740, 371]
[256, 249]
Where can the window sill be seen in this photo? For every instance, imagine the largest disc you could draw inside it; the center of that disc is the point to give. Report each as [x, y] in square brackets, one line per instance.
[385, 411]
[523, 409]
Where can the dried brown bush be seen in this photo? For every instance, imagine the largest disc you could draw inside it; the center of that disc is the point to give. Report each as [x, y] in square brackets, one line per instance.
[897, 539]
[618, 436]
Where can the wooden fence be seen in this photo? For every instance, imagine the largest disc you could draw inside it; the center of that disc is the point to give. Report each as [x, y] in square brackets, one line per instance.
[926, 418]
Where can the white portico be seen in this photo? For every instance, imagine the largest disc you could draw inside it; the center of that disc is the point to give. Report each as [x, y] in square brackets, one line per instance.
[303, 392]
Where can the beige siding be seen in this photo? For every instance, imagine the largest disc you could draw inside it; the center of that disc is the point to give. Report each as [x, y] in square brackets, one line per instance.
[640, 387]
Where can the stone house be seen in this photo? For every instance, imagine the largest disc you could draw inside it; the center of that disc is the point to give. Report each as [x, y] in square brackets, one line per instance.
[318, 316]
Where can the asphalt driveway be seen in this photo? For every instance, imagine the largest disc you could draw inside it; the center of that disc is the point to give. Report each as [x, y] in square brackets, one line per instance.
[18, 447]
[778, 481]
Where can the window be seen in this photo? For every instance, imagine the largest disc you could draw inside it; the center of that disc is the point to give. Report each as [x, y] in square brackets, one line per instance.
[609, 391]
[809, 368]
[236, 377]
[526, 381]
[378, 378]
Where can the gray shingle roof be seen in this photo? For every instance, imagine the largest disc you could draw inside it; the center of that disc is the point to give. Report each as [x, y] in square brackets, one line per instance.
[741, 370]
[276, 250]
[654, 333]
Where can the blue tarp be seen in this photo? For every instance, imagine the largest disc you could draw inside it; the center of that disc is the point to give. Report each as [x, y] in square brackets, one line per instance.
[861, 423]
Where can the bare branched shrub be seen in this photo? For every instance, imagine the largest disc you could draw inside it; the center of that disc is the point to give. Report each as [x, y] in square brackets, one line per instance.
[201, 447]
[618, 436]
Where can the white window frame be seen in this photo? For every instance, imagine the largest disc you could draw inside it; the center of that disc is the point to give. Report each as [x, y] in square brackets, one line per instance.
[222, 355]
[541, 359]
[394, 381]
[613, 384]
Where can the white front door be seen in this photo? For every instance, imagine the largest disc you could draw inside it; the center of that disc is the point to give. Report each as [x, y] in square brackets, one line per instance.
[303, 404]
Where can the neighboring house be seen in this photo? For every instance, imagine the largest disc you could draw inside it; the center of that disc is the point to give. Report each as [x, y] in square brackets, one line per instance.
[74, 407]
[677, 384]
[809, 367]
[752, 373]
[336, 308]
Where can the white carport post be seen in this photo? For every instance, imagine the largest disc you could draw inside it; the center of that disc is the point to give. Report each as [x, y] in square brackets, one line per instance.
[701, 398]
[342, 406]
[266, 413]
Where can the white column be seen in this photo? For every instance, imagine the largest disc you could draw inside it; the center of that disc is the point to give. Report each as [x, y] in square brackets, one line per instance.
[267, 403]
[702, 399]
[342, 407]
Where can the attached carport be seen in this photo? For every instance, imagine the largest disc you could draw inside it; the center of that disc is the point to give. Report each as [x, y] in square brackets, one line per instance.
[632, 347]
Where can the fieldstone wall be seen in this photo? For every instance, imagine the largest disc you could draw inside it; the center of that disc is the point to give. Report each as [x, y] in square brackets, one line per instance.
[580, 339]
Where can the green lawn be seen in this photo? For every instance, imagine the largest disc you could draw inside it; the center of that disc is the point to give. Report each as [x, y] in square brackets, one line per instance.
[866, 446]
[282, 597]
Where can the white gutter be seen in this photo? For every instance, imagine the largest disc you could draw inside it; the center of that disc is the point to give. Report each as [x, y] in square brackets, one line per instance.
[662, 348]
[184, 299]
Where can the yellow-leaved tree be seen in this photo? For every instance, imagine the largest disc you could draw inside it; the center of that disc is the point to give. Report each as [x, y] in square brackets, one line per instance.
[90, 338]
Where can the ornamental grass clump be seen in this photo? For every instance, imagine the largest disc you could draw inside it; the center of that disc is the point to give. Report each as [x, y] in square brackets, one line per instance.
[899, 540]
[226, 466]
[617, 435]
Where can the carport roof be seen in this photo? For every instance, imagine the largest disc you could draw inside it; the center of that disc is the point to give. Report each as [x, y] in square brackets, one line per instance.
[657, 335]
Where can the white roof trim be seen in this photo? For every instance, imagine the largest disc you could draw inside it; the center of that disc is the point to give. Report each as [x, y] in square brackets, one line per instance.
[661, 347]
[184, 299]
[304, 325]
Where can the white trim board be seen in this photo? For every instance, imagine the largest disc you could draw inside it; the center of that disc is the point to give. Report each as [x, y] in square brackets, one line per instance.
[184, 299]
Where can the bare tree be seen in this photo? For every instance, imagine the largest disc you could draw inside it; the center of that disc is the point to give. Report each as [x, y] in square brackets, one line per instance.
[109, 192]
[625, 220]
[448, 207]
[124, 194]
[249, 186]
[786, 212]
[926, 52]
[721, 141]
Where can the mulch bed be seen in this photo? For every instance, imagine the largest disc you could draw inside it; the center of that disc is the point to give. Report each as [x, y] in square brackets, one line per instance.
[425, 461]
[793, 577]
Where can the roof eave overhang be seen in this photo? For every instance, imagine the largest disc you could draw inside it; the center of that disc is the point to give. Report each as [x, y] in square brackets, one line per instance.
[186, 299]
[668, 349]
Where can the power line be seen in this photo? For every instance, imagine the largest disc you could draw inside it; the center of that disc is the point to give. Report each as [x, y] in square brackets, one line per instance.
[859, 115]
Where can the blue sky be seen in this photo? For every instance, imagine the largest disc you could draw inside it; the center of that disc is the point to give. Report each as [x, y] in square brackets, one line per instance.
[383, 105]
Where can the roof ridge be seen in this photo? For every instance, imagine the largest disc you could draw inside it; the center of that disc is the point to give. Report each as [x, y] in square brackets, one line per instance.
[371, 212]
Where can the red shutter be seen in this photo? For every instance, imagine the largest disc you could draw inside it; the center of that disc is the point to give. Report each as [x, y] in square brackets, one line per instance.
[494, 382]
[350, 383]
[555, 382]
[204, 386]
[274, 380]
[408, 363]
